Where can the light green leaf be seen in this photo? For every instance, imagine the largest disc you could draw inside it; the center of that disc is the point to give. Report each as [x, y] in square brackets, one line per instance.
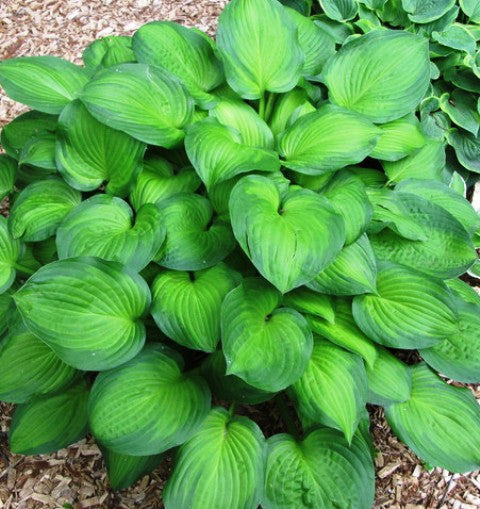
[29, 367]
[364, 77]
[186, 305]
[185, 52]
[44, 83]
[446, 250]
[410, 310]
[39, 151]
[321, 471]
[267, 346]
[40, 208]
[339, 31]
[146, 102]
[472, 9]
[48, 424]
[352, 272]
[8, 172]
[456, 37]
[457, 184]
[195, 238]
[253, 65]
[89, 153]
[463, 290]
[308, 301]
[226, 460]
[339, 10]
[218, 152]
[399, 138]
[420, 11]
[461, 107]
[389, 380]
[104, 226]
[450, 414]
[87, 310]
[108, 51]
[148, 405]
[292, 104]
[299, 227]
[333, 388]
[467, 149]
[302, 6]
[11, 250]
[327, 139]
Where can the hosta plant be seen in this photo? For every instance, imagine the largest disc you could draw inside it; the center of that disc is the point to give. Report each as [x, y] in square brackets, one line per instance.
[197, 227]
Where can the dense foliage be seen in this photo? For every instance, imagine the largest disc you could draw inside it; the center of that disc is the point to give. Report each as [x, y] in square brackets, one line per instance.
[270, 217]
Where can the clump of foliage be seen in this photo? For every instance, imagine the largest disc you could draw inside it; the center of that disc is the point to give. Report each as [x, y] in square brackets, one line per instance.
[268, 217]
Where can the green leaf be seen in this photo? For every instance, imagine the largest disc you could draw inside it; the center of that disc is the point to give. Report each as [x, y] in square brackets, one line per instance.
[39, 151]
[219, 153]
[40, 208]
[288, 106]
[8, 172]
[364, 77]
[461, 107]
[253, 65]
[420, 11]
[225, 458]
[148, 405]
[195, 238]
[463, 290]
[300, 228]
[302, 6]
[456, 37]
[467, 149]
[48, 424]
[389, 380]
[472, 9]
[399, 138]
[327, 139]
[10, 251]
[104, 226]
[108, 51]
[427, 163]
[7, 310]
[446, 250]
[450, 414]
[410, 310]
[339, 10]
[333, 388]
[308, 301]
[29, 367]
[44, 83]
[185, 52]
[323, 470]
[343, 331]
[352, 272]
[87, 311]
[89, 153]
[186, 305]
[266, 346]
[146, 102]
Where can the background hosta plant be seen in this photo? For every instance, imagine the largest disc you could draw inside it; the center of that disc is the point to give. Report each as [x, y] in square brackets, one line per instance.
[200, 226]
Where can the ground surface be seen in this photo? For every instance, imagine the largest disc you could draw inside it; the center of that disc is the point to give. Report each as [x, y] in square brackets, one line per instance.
[76, 477]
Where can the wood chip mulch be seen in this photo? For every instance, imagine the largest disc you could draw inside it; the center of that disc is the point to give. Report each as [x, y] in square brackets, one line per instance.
[75, 478]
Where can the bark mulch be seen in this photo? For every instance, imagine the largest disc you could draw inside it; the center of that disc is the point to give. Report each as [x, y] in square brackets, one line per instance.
[75, 477]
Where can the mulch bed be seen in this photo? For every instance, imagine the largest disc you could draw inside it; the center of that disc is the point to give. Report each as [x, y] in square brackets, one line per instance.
[76, 477]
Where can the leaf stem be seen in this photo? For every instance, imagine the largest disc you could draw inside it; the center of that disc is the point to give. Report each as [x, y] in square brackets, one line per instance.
[231, 410]
[261, 107]
[269, 106]
[286, 414]
[24, 269]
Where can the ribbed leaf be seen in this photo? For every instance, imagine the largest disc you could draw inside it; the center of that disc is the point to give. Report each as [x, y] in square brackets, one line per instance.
[321, 471]
[353, 272]
[420, 11]
[8, 172]
[467, 149]
[218, 152]
[307, 301]
[333, 388]
[463, 290]
[298, 227]
[148, 405]
[44, 83]
[195, 239]
[7, 310]
[450, 414]
[288, 106]
[222, 465]
[87, 310]
[339, 10]
[39, 151]
[365, 78]
[104, 226]
[253, 65]
[410, 310]
[327, 139]
[10, 251]
[89, 153]
[389, 380]
[267, 346]
[461, 107]
[185, 52]
[144, 101]
[47, 424]
[186, 305]
[40, 208]
[29, 367]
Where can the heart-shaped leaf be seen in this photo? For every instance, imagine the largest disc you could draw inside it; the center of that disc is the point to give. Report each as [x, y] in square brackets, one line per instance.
[467, 149]
[108, 51]
[39, 151]
[148, 405]
[339, 10]
[186, 305]
[298, 227]
[232, 447]
[10, 251]
[267, 346]
[104, 226]
[426, 12]
[89, 153]
[87, 310]
[146, 102]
